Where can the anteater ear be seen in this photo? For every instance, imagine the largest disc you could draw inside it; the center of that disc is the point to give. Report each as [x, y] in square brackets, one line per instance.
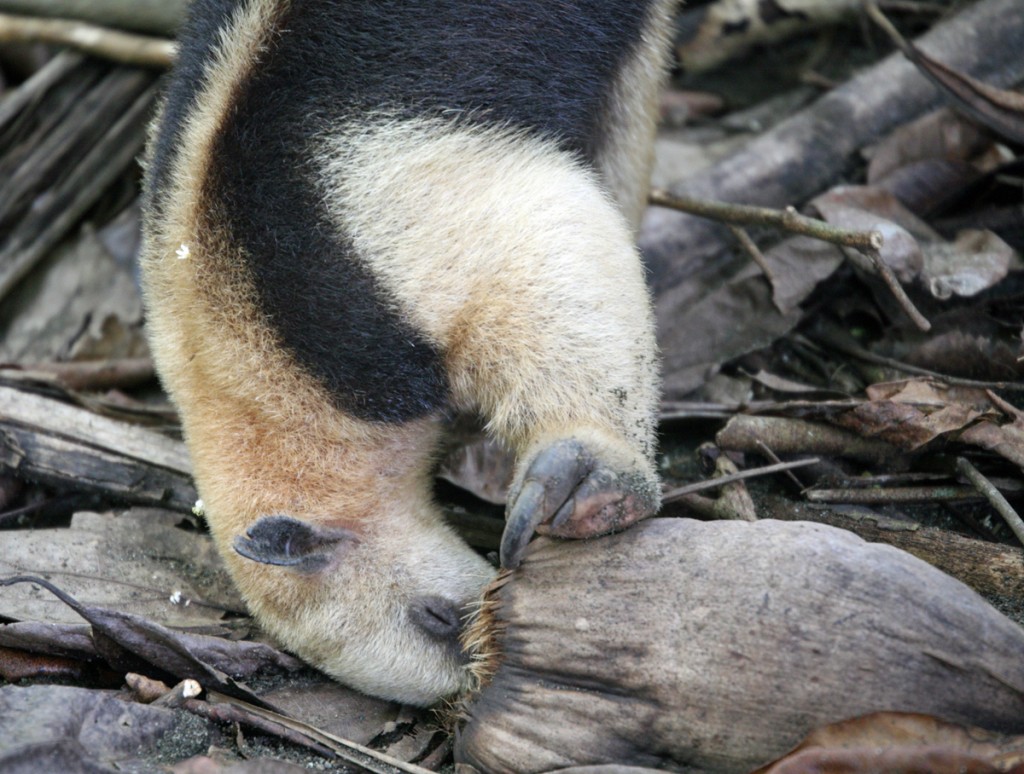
[288, 542]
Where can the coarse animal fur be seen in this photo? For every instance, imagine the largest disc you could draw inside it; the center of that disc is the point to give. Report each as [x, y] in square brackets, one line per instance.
[363, 217]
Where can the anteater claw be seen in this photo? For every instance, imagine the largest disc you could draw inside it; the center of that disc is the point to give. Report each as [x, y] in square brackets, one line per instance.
[567, 491]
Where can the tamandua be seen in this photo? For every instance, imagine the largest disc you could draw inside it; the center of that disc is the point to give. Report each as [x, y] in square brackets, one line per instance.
[361, 217]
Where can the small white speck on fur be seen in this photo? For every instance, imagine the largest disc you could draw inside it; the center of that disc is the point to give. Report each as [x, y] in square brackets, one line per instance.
[182, 251]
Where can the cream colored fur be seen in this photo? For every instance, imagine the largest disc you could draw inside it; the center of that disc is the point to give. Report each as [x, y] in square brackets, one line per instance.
[265, 440]
[506, 253]
[627, 152]
[514, 261]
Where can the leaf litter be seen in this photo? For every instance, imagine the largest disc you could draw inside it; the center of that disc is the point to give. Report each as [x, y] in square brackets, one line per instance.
[817, 358]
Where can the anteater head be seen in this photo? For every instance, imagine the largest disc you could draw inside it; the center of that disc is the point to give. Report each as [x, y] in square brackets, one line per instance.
[380, 612]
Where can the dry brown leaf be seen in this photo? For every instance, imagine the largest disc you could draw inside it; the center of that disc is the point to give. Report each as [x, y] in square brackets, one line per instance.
[876, 202]
[905, 425]
[929, 392]
[79, 304]
[861, 208]
[797, 266]
[732, 320]
[941, 134]
[919, 391]
[1001, 110]
[1005, 440]
[930, 185]
[133, 643]
[954, 348]
[973, 262]
[900, 743]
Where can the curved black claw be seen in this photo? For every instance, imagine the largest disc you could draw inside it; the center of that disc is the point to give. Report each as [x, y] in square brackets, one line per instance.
[522, 521]
[546, 487]
[569, 491]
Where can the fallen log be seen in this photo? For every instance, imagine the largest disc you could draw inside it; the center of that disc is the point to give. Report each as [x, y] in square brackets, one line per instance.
[989, 568]
[51, 442]
[720, 645]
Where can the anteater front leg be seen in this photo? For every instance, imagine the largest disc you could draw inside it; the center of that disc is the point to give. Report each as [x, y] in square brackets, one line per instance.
[564, 370]
[509, 256]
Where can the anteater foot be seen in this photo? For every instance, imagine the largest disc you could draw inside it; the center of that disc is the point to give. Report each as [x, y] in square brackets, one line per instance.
[568, 491]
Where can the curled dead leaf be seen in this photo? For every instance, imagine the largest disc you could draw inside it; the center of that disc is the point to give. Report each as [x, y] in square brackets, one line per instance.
[974, 262]
[901, 743]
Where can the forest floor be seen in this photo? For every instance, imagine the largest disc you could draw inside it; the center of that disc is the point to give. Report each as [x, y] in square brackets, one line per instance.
[880, 390]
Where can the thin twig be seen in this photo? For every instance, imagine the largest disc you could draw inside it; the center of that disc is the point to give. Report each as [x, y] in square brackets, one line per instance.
[900, 494]
[876, 15]
[883, 270]
[237, 713]
[155, 17]
[281, 725]
[176, 697]
[993, 495]
[86, 374]
[767, 452]
[752, 250]
[714, 483]
[867, 242]
[788, 219]
[1007, 408]
[124, 47]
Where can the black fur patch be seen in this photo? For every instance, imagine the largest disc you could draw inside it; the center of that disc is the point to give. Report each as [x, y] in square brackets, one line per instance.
[542, 66]
[200, 30]
[326, 308]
